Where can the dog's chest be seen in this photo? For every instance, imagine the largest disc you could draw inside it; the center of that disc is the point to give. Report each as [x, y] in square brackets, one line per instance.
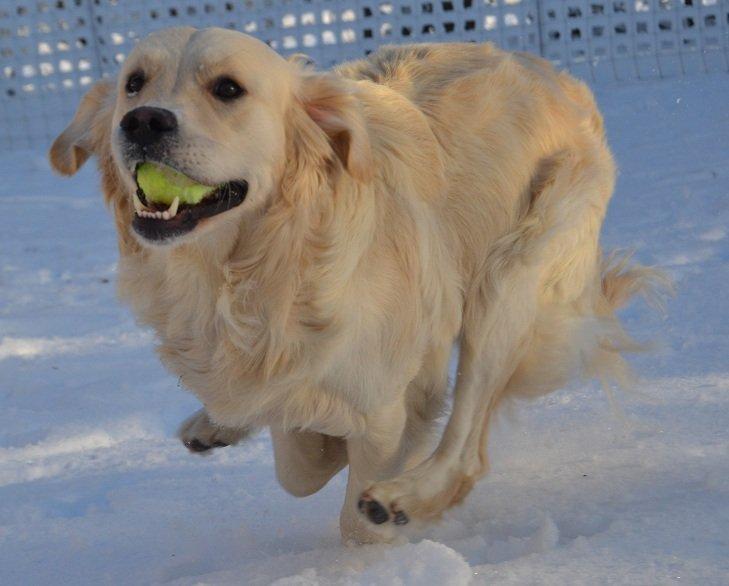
[190, 333]
[176, 295]
[185, 301]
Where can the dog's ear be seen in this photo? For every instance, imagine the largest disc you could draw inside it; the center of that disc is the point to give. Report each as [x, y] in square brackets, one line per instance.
[90, 127]
[302, 61]
[331, 103]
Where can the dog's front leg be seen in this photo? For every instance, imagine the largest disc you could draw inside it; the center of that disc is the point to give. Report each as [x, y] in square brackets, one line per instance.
[306, 460]
[374, 455]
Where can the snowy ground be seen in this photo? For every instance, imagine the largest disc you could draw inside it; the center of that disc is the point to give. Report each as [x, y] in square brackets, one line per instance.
[95, 489]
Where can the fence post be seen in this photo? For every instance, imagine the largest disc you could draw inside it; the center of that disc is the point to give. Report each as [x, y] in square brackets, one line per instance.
[540, 38]
[95, 38]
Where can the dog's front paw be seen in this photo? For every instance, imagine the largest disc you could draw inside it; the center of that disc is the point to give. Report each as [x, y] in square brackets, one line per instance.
[199, 434]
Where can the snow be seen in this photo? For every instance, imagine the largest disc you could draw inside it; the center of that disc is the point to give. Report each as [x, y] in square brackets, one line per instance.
[96, 489]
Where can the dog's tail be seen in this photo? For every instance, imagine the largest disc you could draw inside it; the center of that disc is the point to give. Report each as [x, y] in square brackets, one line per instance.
[622, 280]
[590, 344]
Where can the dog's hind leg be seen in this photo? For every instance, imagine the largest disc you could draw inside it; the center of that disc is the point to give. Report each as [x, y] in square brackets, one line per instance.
[425, 402]
[199, 434]
[551, 256]
[306, 460]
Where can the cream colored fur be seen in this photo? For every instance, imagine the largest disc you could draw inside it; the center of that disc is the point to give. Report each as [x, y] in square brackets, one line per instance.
[427, 195]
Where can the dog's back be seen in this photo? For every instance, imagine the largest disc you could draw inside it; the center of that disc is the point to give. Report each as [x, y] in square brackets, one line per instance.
[499, 119]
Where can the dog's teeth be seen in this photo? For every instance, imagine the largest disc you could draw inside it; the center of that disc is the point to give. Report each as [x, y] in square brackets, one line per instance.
[138, 206]
[173, 208]
[144, 212]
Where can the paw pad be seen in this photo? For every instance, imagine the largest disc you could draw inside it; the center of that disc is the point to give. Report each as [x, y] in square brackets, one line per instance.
[195, 445]
[374, 511]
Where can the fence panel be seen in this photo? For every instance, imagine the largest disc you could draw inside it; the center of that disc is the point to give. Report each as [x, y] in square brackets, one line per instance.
[635, 39]
[47, 60]
[50, 51]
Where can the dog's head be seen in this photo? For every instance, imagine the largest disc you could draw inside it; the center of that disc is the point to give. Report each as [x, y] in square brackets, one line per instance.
[224, 111]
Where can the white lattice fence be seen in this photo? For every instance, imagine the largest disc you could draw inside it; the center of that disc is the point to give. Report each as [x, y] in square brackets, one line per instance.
[50, 51]
[629, 39]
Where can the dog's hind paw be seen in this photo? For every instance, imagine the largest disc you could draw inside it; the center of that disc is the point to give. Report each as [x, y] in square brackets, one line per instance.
[378, 515]
[200, 435]
[422, 493]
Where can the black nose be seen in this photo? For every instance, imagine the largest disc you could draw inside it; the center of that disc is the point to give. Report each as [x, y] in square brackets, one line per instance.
[146, 125]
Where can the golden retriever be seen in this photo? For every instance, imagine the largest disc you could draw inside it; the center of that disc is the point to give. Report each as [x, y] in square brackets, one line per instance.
[367, 220]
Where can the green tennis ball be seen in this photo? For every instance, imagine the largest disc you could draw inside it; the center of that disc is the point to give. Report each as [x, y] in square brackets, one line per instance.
[162, 184]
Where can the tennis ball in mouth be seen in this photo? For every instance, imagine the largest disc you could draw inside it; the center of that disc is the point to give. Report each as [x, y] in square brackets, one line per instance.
[162, 184]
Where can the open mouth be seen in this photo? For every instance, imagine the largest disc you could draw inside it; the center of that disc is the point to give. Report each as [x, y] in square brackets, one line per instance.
[167, 204]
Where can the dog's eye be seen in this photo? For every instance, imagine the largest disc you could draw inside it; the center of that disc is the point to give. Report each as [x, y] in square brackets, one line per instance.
[135, 83]
[226, 89]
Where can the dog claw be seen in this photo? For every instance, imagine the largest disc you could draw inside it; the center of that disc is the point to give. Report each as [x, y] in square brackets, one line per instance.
[401, 518]
[374, 511]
